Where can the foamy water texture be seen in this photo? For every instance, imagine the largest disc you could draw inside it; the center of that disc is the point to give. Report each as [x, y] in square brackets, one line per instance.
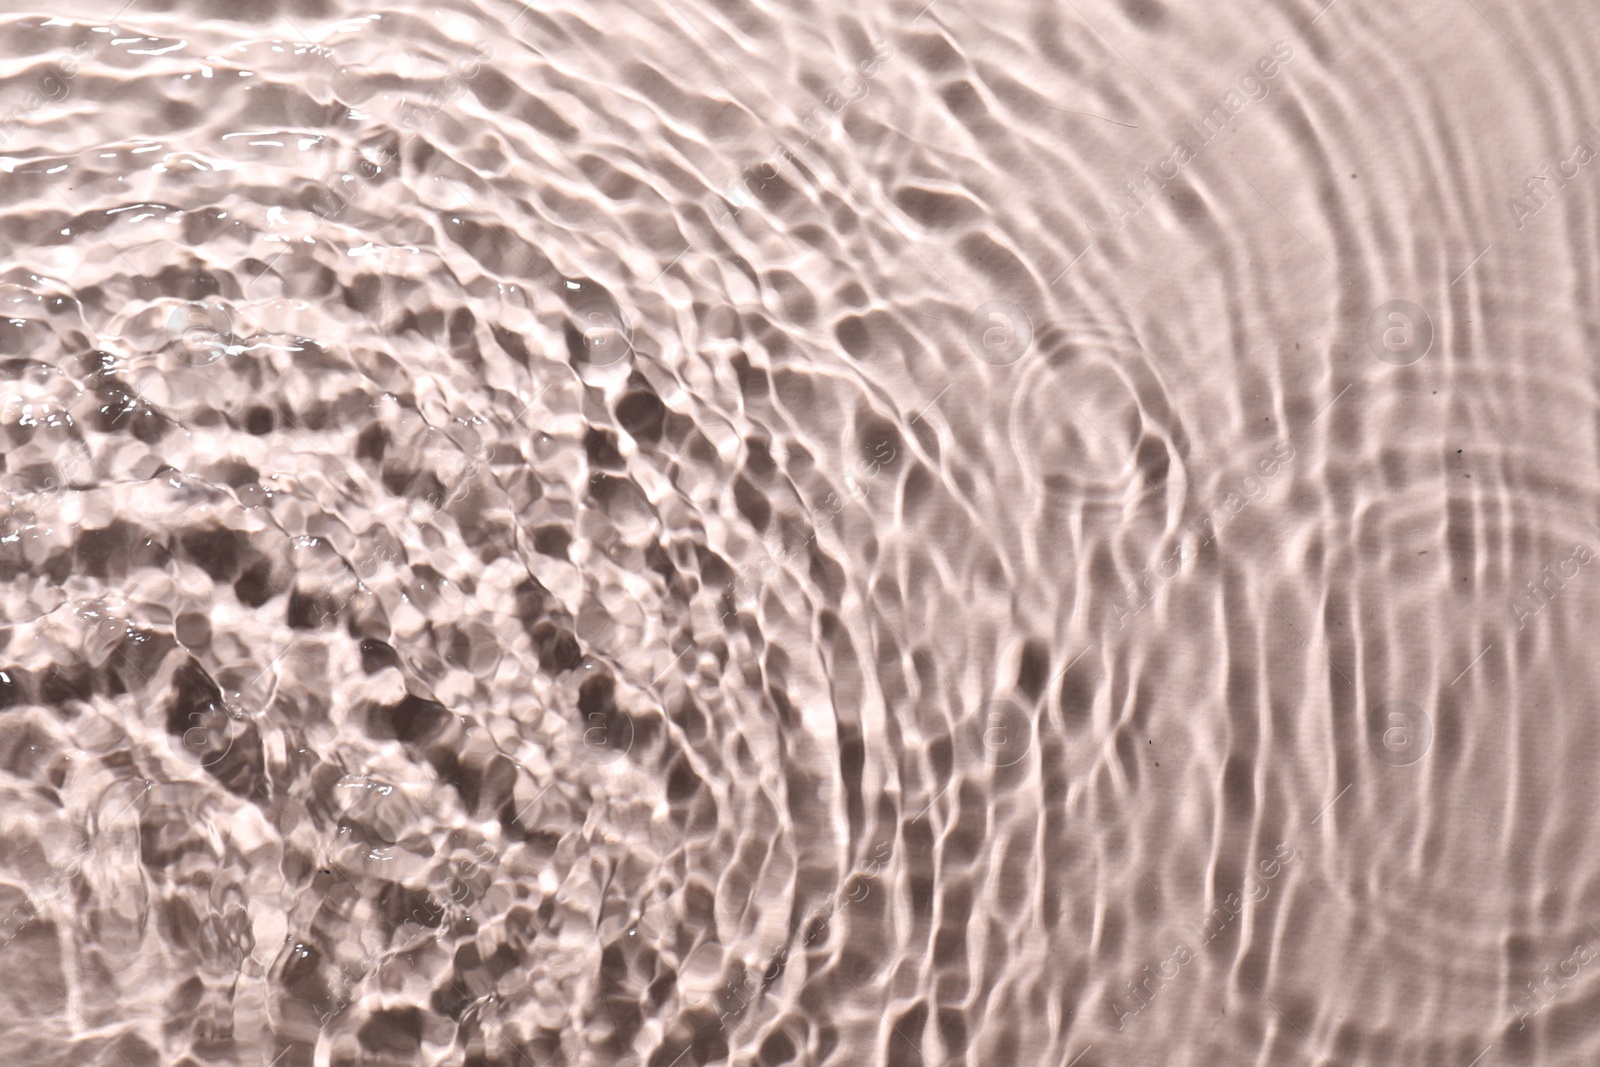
[826, 534]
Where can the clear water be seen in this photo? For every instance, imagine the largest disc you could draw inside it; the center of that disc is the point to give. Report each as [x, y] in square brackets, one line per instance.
[691, 532]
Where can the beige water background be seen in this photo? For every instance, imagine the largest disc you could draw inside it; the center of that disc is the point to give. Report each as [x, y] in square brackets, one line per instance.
[686, 532]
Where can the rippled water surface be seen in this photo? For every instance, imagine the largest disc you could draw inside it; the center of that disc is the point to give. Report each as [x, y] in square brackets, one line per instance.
[700, 532]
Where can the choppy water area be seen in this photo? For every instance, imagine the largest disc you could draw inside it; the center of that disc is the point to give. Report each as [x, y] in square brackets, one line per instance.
[687, 533]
